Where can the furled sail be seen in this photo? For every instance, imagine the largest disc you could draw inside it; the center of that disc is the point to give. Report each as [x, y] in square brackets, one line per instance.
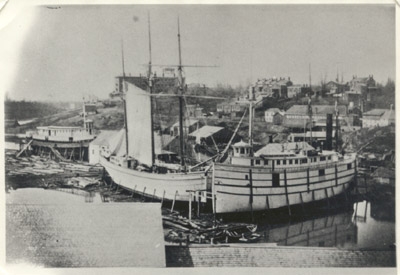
[138, 115]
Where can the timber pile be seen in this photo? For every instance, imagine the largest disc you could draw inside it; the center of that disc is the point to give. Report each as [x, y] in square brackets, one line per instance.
[178, 229]
[36, 165]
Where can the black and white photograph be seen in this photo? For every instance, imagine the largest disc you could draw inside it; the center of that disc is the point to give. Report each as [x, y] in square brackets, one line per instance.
[199, 136]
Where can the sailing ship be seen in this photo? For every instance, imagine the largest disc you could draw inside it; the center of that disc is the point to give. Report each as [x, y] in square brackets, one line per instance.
[142, 168]
[279, 175]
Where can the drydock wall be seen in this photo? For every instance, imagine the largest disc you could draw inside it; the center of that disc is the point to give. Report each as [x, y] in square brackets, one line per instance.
[275, 256]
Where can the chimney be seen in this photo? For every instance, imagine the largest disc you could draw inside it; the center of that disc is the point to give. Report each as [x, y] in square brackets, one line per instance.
[329, 128]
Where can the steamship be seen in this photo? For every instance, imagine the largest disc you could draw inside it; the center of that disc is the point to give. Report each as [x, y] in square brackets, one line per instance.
[279, 175]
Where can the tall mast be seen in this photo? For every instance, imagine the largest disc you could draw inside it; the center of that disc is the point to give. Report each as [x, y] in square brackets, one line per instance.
[180, 79]
[309, 75]
[251, 96]
[124, 100]
[150, 89]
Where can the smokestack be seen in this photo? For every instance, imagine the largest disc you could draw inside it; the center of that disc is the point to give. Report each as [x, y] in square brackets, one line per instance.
[329, 128]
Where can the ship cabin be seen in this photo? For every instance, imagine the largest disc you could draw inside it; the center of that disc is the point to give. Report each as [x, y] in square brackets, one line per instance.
[282, 155]
[64, 133]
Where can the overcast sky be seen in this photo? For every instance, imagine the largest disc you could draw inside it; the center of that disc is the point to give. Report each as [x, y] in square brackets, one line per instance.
[75, 51]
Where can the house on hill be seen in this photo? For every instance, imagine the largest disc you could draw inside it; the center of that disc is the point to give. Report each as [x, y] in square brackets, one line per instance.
[189, 125]
[274, 115]
[319, 112]
[210, 134]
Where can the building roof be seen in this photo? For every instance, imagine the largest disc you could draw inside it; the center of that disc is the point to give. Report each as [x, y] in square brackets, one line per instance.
[376, 112]
[104, 137]
[206, 131]
[241, 144]
[383, 172]
[315, 134]
[316, 109]
[276, 148]
[81, 234]
[59, 128]
[296, 123]
[273, 110]
[186, 123]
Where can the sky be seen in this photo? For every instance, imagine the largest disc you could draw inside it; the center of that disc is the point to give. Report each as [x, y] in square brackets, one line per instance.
[73, 51]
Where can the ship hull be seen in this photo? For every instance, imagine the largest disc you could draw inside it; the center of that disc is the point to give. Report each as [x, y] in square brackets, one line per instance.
[271, 189]
[172, 186]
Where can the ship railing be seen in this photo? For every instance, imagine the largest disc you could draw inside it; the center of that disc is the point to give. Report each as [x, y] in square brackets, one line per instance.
[313, 166]
[304, 167]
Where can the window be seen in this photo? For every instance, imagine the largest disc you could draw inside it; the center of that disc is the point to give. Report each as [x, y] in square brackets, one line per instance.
[278, 162]
[329, 158]
[349, 166]
[265, 162]
[323, 158]
[315, 159]
[284, 161]
[257, 162]
[321, 172]
[303, 160]
[290, 161]
[297, 161]
[242, 150]
[275, 180]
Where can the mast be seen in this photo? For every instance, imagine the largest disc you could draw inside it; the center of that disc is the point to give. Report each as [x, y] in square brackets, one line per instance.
[309, 75]
[180, 78]
[251, 95]
[124, 100]
[311, 122]
[150, 89]
[337, 126]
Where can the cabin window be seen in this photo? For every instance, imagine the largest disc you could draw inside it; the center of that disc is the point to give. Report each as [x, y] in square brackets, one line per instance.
[242, 150]
[349, 166]
[290, 161]
[275, 180]
[278, 162]
[284, 161]
[321, 172]
[257, 162]
[303, 160]
[323, 158]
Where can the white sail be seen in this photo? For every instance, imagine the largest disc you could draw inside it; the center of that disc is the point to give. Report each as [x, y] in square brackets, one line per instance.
[139, 124]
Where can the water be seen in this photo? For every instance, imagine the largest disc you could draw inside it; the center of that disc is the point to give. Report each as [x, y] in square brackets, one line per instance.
[367, 225]
[357, 228]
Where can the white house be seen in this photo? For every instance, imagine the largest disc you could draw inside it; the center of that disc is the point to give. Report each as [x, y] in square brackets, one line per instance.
[105, 143]
[378, 118]
[270, 114]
